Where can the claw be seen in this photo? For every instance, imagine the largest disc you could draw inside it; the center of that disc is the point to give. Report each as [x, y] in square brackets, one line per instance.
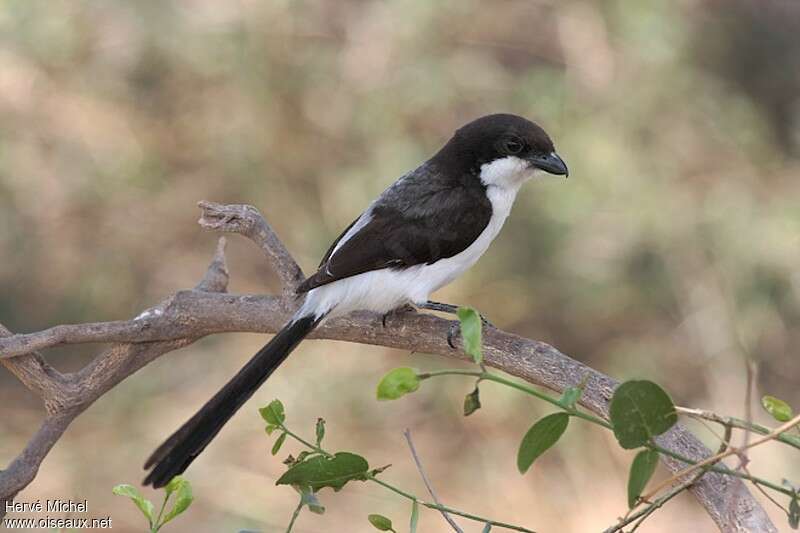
[398, 311]
[455, 329]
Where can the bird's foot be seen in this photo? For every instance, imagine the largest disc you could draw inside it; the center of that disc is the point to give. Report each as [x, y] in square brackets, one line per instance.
[403, 309]
[452, 332]
[455, 327]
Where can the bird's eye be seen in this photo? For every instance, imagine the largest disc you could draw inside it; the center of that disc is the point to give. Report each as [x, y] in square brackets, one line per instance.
[512, 146]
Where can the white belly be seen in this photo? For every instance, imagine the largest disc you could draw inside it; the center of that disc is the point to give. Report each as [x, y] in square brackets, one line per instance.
[386, 289]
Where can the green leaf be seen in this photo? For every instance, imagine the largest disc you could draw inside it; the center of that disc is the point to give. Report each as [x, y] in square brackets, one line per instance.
[183, 497]
[380, 522]
[794, 513]
[145, 506]
[487, 528]
[472, 402]
[173, 485]
[414, 517]
[642, 468]
[398, 383]
[780, 410]
[639, 411]
[542, 435]
[273, 413]
[322, 471]
[278, 443]
[320, 430]
[471, 332]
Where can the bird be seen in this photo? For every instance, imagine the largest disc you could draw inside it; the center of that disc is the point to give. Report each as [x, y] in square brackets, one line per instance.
[420, 234]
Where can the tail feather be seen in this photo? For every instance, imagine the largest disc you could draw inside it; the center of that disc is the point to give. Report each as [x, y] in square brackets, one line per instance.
[180, 449]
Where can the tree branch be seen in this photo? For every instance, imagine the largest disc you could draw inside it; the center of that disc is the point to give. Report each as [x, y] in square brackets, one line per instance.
[189, 315]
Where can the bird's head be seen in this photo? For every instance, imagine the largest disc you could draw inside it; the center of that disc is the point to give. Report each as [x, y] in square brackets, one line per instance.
[504, 150]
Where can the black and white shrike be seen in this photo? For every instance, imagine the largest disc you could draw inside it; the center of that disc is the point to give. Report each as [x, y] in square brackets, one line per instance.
[420, 234]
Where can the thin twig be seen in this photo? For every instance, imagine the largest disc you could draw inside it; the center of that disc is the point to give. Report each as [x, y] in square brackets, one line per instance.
[741, 453]
[748, 406]
[295, 514]
[766, 494]
[407, 435]
[737, 423]
[717, 457]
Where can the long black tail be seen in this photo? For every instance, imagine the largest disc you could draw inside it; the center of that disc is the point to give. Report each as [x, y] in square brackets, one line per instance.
[179, 450]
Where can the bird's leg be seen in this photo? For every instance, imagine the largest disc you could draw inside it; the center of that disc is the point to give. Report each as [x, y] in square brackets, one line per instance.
[439, 306]
[450, 309]
[405, 308]
[455, 327]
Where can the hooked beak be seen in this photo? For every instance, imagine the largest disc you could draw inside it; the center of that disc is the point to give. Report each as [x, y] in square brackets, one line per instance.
[551, 163]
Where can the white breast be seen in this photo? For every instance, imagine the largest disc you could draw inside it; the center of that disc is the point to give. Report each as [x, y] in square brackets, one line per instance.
[383, 290]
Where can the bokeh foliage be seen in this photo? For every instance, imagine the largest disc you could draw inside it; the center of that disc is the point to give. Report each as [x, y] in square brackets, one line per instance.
[670, 253]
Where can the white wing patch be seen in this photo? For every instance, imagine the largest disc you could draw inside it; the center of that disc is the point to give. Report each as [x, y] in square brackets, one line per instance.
[362, 221]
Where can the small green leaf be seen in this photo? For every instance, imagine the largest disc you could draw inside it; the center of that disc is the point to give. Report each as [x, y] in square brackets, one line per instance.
[539, 438]
[642, 468]
[145, 506]
[320, 430]
[780, 410]
[278, 443]
[639, 411]
[398, 383]
[471, 332]
[322, 471]
[487, 528]
[472, 402]
[173, 485]
[414, 517]
[380, 522]
[183, 497]
[273, 413]
[794, 513]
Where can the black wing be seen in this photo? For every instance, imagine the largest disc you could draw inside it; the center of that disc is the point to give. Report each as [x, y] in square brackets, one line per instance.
[420, 219]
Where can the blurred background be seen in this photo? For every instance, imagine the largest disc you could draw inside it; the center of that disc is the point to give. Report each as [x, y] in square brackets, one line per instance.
[670, 254]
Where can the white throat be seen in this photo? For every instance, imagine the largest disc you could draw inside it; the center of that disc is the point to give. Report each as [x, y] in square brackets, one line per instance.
[507, 173]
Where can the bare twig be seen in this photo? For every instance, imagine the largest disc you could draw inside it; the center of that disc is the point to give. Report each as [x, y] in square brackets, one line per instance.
[407, 435]
[738, 423]
[744, 459]
[719, 456]
[189, 315]
[751, 370]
